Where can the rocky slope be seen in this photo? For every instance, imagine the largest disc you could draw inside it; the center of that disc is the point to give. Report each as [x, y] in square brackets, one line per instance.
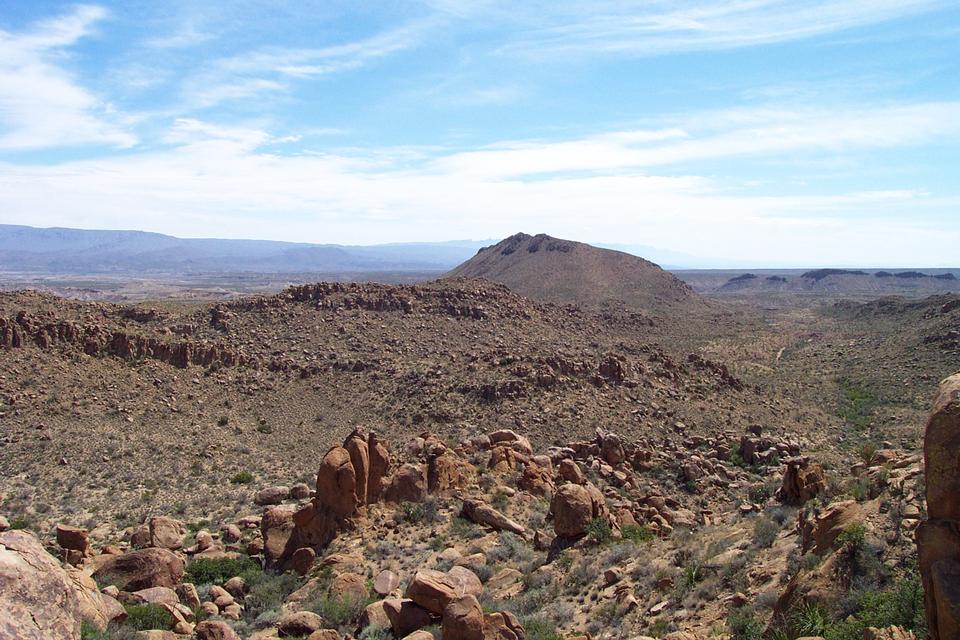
[567, 272]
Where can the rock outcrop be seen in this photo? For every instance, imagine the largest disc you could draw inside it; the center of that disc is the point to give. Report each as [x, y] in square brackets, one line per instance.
[37, 598]
[938, 537]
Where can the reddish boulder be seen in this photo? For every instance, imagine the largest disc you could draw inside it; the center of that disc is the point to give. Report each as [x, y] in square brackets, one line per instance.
[379, 466]
[215, 630]
[572, 509]
[802, 481]
[73, 538]
[408, 484]
[142, 569]
[463, 619]
[406, 616]
[337, 483]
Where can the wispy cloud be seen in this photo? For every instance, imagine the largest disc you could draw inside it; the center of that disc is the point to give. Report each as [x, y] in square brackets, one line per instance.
[41, 104]
[275, 69]
[218, 180]
[653, 28]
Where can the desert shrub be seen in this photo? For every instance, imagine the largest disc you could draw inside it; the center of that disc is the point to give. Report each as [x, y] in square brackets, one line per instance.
[637, 534]
[112, 632]
[465, 529]
[265, 593]
[599, 531]
[857, 403]
[809, 620]
[618, 554]
[144, 617]
[690, 575]
[500, 500]
[411, 512]
[744, 624]
[242, 477]
[540, 628]
[765, 532]
[340, 612]
[483, 571]
[219, 570]
[511, 547]
[374, 632]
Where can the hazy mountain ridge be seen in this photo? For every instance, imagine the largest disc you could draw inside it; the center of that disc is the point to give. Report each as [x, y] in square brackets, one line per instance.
[63, 250]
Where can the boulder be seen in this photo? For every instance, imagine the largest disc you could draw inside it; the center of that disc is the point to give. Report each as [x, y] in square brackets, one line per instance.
[298, 623]
[820, 532]
[386, 582]
[938, 537]
[537, 479]
[512, 439]
[572, 509]
[349, 587]
[300, 491]
[448, 472]
[802, 481]
[155, 595]
[302, 560]
[142, 569]
[277, 527]
[463, 619]
[337, 483]
[570, 471]
[408, 484]
[405, 616]
[356, 446]
[482, 513]
[73, 538]
[166, 533]
[374, 615]
[37, 597]
[379, 466]
[433, 590]
[272, 495]
[502, 625]
[215, 630]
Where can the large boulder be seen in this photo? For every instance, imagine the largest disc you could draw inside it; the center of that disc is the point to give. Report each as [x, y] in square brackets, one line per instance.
[448, 472]
[215, 630]
[276, 527]
[463, 619]
[819, 532]
[802, 481]
[142, 569]
[503, 625]
[405, 616]
[572, 509]
[482, 513]
[73, 538]
[938, 538]
[166, 533]
[433, 590]
[356, 446]
[337, 483]
[379, 466]
[408, 484]
[37, 598]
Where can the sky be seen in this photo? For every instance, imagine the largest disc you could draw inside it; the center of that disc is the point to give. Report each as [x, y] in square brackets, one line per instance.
[760, 132]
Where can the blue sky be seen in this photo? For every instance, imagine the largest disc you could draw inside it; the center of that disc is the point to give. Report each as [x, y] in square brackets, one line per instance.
[821, 132]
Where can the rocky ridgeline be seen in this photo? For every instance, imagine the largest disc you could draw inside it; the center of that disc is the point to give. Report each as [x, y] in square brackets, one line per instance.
[604, 484]
[97, 340]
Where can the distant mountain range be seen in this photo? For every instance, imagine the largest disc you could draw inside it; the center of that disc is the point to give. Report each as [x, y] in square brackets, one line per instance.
[80, 251]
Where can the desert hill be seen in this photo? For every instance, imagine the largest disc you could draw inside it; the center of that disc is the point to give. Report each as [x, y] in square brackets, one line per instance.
[562, 271]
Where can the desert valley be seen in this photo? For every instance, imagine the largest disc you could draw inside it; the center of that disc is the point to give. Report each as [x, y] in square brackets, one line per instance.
[550, 441]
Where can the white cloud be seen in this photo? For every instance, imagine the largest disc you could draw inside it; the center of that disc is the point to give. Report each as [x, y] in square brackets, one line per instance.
[41, 104]
[220, 181]
[641, 27]
[275, 69]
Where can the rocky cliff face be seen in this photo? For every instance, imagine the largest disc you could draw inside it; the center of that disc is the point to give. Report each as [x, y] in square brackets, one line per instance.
[938, 538]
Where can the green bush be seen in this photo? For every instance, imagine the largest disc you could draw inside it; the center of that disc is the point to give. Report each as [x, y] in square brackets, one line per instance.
[765, 532]
[144, 617]
[219, 570]
[340, 612]
[242, 477]
[266, 592]
[599, 531]
[637, 533]
[744, 625]
[540, 628]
